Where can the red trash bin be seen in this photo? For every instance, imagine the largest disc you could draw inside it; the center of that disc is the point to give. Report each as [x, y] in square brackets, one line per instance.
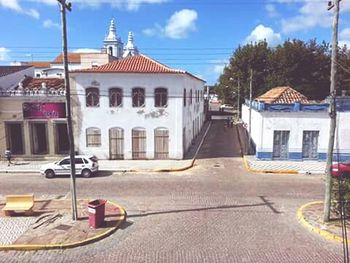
[96, 209]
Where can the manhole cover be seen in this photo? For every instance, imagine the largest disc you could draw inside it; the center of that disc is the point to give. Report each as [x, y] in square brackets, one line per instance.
[63, 227]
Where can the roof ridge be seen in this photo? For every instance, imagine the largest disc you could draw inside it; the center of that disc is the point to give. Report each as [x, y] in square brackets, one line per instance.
[161, 64]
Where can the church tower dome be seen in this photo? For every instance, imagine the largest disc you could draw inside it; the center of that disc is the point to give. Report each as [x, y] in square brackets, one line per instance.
[112, 42]
[130, 49]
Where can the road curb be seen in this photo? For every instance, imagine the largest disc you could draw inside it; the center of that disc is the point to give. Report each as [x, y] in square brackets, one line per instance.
[70, 245]
[248, 168]
[324, 233]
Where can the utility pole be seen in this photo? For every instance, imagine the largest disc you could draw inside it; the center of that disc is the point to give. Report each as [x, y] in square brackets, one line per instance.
[332, 109]
[238, 99]
[250, 109]
[63, 7]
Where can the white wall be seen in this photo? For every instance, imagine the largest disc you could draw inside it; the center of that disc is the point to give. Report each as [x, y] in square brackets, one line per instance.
[127, 117]
[12, 80]
[264, 123]
[342, 138]
[193, 114]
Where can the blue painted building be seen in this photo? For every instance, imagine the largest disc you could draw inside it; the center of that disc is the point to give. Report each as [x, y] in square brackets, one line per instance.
[285, 125]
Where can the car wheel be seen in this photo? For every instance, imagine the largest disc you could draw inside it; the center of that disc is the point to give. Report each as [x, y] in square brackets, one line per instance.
[49, 174]
[86, 173]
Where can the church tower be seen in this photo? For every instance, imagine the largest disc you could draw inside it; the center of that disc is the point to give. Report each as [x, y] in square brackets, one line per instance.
[130, 49]
[112, 43]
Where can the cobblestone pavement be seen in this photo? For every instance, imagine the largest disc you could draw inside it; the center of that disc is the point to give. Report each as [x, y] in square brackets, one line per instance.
[215, 212]
[13, 228]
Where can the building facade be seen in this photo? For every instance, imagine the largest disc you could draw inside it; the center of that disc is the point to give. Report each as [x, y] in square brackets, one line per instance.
[33, 118]
[136, 108]
[289, 127]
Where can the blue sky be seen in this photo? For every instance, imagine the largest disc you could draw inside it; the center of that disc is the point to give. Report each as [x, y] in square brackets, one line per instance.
[194, 35]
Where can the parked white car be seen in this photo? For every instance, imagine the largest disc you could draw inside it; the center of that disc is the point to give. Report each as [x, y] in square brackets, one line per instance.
[85, 165]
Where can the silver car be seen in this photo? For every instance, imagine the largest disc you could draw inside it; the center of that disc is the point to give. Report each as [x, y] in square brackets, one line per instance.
[85, 165]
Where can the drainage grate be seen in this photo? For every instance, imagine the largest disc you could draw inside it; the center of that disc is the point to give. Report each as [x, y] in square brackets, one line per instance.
[63, 227]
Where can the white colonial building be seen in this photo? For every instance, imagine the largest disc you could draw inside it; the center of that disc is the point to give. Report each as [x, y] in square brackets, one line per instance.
[286, 125]
[136, 108]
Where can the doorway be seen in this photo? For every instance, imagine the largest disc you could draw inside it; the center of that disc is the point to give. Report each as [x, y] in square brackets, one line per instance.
[62, 139]
[310, 143]
[116, 144]
[39, 138]
[280, 145]
[138, 144]
[14, 137]
[161, 143]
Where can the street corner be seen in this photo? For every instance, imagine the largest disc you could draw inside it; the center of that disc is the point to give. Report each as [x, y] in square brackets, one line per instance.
[269, 167]
[50, 225]
[310, 215]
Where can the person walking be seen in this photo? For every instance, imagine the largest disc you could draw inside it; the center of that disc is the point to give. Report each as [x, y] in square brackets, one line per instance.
[8, 156]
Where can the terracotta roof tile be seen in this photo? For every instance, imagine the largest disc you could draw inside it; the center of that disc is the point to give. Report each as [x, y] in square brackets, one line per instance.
[134, 64]
[7, 70]
[36, 83]
[72, 58]
[40, 64]
[284, 95]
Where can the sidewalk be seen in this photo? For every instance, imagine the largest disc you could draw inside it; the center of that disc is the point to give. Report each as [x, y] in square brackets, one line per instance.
[273, 166]
[122, 165]
[51, 226]
[301, 167]
[107, 165]
[310, 216]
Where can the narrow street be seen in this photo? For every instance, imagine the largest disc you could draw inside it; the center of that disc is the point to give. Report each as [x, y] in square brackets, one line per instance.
[214, 212]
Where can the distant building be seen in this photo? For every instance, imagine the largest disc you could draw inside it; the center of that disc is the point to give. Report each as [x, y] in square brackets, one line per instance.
[33, 117]
[113, 48]
[136, 108]
[10, 76]
[287, 126]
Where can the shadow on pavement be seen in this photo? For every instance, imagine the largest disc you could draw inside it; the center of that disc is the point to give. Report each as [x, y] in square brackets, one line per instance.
[264, 203]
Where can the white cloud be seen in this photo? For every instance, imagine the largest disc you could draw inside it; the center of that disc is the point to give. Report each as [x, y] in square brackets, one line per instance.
[48, 23]
[344, 37]
[131, 5]
[156, 30]
[87, 50]
[310, 14]
[261, 33]
[271, 10]
[14, 6]
[179, 25]
[4, 54]
[345, 33]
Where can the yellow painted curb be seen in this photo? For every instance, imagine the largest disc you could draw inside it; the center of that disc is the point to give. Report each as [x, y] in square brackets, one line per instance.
[247, 167]
[69, 245]
[324, 233]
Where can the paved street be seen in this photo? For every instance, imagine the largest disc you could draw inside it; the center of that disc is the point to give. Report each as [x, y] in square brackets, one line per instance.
[215, 212]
